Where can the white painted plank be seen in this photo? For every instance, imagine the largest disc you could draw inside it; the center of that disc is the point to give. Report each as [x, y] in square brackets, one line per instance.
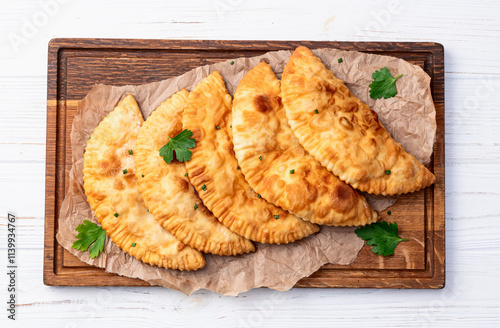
[23, 111]
[470, 33]
[22, 188]
[469, 47]
[19, 152]
[298, 307]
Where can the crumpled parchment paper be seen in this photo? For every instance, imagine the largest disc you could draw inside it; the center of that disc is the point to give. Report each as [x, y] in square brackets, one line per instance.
[409, 117]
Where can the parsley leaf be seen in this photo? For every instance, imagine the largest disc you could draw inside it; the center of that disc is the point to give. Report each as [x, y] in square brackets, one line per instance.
[381, 234]
[383, 85]
[90, 233]
[180, 144]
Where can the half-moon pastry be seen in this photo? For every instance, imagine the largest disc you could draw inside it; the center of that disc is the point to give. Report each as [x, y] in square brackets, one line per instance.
[277, 166]
[169, 195]
[343, 133]
[113, 193]
[214, 171]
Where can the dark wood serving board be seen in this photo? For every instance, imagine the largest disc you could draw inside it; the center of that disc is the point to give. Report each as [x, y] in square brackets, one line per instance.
[75, 65]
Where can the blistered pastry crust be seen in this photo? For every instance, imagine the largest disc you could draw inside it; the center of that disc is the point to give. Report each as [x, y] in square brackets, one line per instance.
[169, 195]
[345, 136]
[111, 190]
[277, 166]
[213, 170]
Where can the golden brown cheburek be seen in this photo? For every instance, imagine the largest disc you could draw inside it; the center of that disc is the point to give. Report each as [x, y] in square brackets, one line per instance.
[214, 171]
[113, 193]
[167, 192]
[345, 135]
[277, 166]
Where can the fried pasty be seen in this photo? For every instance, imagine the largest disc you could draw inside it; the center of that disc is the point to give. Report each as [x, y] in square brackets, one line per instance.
[343, 133]
[169, 195]
[214, 172]
[277, 166]
[113, 193]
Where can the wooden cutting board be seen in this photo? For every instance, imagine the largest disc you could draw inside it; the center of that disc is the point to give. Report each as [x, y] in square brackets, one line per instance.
[75, 65]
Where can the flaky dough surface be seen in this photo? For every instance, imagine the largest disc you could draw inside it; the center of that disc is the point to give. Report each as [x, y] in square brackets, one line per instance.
[214, 172]
[277, 166]
[113, 193]
[345, 135]
[169, 195]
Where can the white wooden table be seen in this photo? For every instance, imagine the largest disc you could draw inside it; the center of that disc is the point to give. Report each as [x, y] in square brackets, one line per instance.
[470, 33]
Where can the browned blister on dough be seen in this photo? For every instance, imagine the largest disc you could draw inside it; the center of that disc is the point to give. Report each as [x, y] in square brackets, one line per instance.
[167, 192]
[345, 135]
[113, 193]
[213, 170]
[277, 166]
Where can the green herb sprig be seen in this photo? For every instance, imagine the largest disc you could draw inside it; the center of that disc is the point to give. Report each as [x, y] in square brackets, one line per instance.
[383, 85]
[181, 144]
[90, 234]
[383, 236]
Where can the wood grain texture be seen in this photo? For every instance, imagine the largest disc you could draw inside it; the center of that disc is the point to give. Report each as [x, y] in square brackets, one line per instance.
[75, 65]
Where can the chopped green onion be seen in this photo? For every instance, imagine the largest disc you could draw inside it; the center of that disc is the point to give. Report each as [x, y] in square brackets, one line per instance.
[130, 152]
[125, 171]
[316, 111]
[239, 168]
[116, 215]
[259, 196]
[195, 206]
[389, 212]
[133, 244]
[203, 187]
[340, 60]
[292, 171]
[232, 62]
[185, 174]
[276, 217]
[218, 128]
[260, 157]
[387, 172]
[143, 175]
